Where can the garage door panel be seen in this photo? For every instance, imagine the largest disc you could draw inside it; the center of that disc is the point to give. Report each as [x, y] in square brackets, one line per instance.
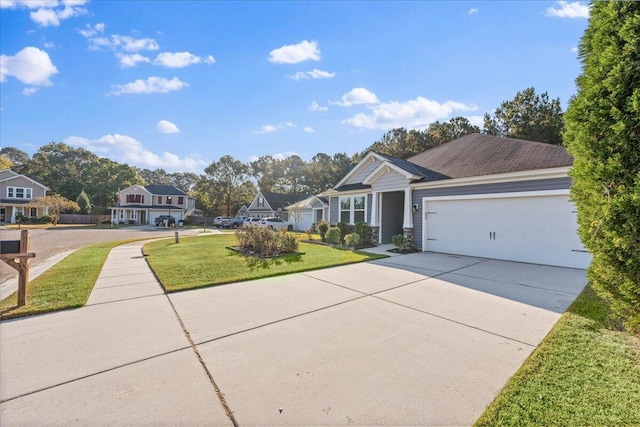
[540, 229]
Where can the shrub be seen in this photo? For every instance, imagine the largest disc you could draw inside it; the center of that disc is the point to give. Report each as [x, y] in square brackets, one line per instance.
[333, 235]
[130, 222]
[309, 232]
[363, 230]
[45, 219]
[352, 240]
[344, 230]
[398, 241]
[21, 219]
[267, 242]
[323, 227]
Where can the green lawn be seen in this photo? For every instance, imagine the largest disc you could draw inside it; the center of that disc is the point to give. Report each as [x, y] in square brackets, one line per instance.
[204, 261]
[585, 373]
[65, 285]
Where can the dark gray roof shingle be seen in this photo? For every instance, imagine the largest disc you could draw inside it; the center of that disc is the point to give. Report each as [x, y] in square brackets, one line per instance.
[164, 190]
[479, 154]
[281, 200]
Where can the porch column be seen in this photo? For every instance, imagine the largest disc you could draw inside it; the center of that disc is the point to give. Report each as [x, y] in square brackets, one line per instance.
[408, 213]
[373, 221]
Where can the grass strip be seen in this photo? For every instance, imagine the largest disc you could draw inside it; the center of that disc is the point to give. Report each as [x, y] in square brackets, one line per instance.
[584, 373]
[198, 262]
[65, 285]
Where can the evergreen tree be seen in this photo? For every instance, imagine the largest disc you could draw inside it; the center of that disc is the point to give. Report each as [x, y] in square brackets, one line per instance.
[603, 135]
[84, 203]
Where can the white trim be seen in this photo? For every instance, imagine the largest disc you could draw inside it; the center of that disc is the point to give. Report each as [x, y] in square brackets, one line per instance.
[357, 168]
[496, 178]
[385, 167]
[25, 177]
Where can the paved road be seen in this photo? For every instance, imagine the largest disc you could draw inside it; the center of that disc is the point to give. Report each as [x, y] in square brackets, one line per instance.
[51, 241]
[422, 339]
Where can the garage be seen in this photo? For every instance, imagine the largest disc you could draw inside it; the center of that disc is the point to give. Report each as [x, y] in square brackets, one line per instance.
[537, 227]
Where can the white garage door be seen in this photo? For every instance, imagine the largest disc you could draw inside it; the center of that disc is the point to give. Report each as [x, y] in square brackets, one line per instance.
[539, 229]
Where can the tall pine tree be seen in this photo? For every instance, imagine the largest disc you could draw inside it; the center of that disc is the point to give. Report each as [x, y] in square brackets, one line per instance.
[603, 135]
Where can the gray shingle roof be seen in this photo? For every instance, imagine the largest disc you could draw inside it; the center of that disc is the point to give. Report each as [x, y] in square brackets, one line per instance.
[164, 190]
[280, 200]
[479, 154]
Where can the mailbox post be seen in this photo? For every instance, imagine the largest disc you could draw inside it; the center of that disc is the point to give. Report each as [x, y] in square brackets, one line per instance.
[16, 254]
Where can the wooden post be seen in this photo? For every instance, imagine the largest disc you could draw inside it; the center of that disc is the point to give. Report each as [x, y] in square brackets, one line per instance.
[177, 238]
[23, 272]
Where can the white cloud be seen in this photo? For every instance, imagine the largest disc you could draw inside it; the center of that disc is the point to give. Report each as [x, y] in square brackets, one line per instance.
[125, 149]
[314, 74]
[165, 126]
[150, 85]
[574, 49]
[127, 61]
[476, 121]
[295, 53]
[125, 43]
[31, 66]
[357, 96]
[28, 91]
[415, 113]
[273, 128]
[29, 4]
[90, 31]
[308, 129]
[181, 59]
[564, 9]
[472, 10]
[316, 107]
[49, 15]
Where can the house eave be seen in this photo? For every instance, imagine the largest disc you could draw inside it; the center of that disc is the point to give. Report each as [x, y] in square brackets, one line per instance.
[359, 166]
[561, 172]
[386, 167]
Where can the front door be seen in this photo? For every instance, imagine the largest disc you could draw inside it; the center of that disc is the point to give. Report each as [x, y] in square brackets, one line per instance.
[3, 213]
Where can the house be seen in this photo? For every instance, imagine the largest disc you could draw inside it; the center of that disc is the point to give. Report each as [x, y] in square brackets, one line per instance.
[266, 204]
[140, 204]
[478, 195]
[16, 191]
[308, 212]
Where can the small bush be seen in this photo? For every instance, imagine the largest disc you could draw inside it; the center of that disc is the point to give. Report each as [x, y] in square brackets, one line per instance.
[363, 230]
[398, 241]
[323, 227]
[344, 230]
[309, 232]
[333, 235]
[266, 242]
[352, 240]
[130, 222]
[45, 219]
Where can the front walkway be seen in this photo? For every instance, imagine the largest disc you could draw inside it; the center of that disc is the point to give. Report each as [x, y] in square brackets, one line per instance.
[420, 339]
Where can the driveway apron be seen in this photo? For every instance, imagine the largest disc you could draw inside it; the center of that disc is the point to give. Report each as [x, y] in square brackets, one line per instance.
[421, 339]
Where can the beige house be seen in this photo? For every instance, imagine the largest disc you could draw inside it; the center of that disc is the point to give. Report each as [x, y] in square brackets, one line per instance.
[16, 191]
[140, 204]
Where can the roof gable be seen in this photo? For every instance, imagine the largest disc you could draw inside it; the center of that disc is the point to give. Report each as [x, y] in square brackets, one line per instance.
[7, 175]
[281, 200]
[479, 155]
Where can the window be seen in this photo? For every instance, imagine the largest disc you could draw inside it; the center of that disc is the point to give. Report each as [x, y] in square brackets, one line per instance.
[135, 198]
[353, 209]
[169, 200]
[261, 202]
[159, 200]
[345, 209]
[33, 212]
[19, 193]
[181, 200]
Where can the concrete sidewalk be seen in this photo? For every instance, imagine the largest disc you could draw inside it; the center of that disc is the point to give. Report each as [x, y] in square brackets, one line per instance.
[420, 339]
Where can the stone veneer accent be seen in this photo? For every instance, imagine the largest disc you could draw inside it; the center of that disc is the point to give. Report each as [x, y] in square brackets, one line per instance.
[408, 237]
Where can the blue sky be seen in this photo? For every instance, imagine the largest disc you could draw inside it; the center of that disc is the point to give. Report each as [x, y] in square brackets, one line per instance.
[177, 85]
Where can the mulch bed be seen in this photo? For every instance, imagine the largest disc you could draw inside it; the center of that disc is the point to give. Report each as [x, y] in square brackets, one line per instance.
[257, 255]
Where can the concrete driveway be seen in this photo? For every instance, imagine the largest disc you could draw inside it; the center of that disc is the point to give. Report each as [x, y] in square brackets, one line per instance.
[421, 339]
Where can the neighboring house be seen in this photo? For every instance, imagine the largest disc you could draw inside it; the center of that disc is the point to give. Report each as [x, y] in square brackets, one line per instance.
[308, 212]
[267, 204]
[16, 191]
[143, 204]
[479, 195]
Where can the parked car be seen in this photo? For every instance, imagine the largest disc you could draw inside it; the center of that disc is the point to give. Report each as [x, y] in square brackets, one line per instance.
[217, 222]
[169, 219]
[235, 222]
[273, 222]
[252, 221]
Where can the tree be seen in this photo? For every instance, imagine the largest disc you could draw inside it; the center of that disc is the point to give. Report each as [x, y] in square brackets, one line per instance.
[528, 116]
[83, 203]
[19, 159]
[267, 171]
[292, 182]
[603, 136]
[5, 162]
[102, 178]
[56, 205]
[227, 182]
[440, 133]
